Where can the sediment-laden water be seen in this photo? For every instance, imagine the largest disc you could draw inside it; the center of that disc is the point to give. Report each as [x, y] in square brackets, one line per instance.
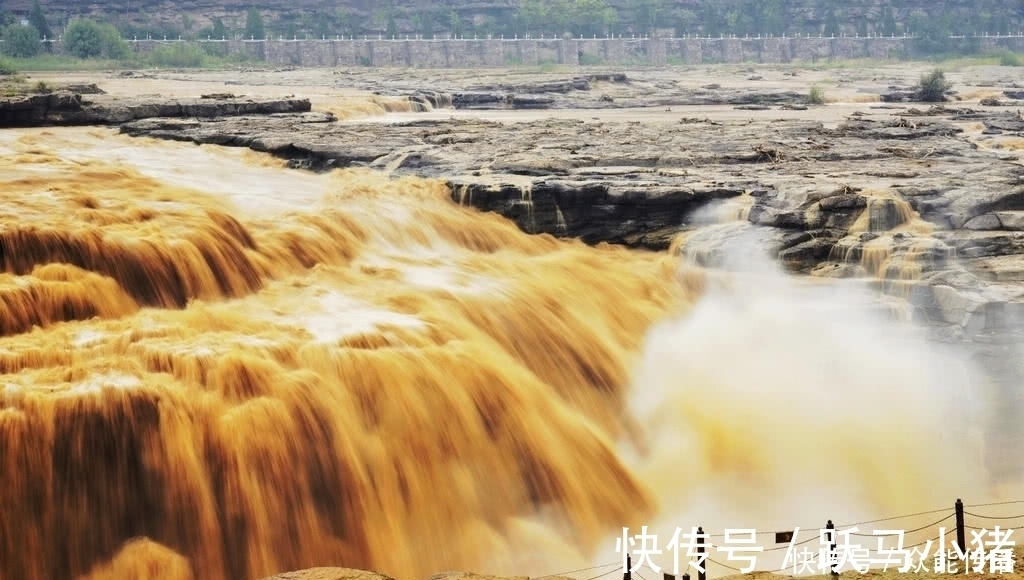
[216, 367]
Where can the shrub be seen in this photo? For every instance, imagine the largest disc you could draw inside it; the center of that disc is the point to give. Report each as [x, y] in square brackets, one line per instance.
[933, 86]
[114, 46]
[216, 49]
[1008, 58]
[84, 39]
[21, 41]
[254, 24]
[816, 96]
[7, 67]
[88, 39]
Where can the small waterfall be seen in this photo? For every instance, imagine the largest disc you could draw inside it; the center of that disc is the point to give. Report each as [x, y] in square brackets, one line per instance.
[560, 221]
[396, 162]
[526, 190]
[883, 214]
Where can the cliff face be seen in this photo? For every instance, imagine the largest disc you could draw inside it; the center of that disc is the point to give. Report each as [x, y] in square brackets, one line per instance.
[316, 18]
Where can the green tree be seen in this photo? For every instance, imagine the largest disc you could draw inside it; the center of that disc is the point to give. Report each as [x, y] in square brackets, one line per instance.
[712, 22]
[218, 31]
[887, 21]
[488, 26]
[384, 17]
[392, 30]
[558, 18]
[319, 24]
[114, 45]
[647, 15]
[290, 30]
[423, 22]
[38, 20]
[454, 24]
[533, 15]
[592, 17]
[84, 39]
[5, 16]
[347, 22]
[773, 17]
[685, 21]
[833, 27]
[21, 41]
[88, 39]
[932, 33]
[732, 22]
[744, 18]
[862, 27]
[1003, 23]
[254, 24]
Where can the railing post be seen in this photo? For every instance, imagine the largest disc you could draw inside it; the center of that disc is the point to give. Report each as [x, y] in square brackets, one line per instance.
[960, 536]
[833, 558]
[702, 570]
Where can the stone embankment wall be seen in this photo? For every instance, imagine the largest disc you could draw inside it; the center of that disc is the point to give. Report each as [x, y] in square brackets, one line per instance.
[465, 53]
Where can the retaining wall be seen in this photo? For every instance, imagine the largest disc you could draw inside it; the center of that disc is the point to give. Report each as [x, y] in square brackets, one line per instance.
[470, 53]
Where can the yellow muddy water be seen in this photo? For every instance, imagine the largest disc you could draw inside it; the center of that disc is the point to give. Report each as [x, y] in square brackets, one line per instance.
[356, 372]
[214, 367]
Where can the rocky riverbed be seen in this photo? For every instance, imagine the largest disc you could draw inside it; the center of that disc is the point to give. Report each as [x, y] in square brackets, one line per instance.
[920, 203]
[925, 201]
[89, 105]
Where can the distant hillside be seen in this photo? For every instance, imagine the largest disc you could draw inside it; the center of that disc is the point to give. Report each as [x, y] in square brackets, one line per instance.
[440, 18]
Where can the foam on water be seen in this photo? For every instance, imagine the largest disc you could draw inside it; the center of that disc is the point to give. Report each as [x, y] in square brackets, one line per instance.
[280, 370]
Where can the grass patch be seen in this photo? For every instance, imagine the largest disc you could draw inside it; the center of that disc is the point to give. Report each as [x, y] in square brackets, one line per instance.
[7, 67]
[164, 56]
[190, 55]
[816, 95]
[12, 84]
[551, 67]
[949, 62]
[954, 63]
[10, 87]
[838, 64]
[177, 55]
[60, 62]
[1009, 58]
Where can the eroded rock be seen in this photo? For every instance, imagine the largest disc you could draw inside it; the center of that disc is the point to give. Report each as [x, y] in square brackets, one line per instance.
[906, 199]
[68, 108]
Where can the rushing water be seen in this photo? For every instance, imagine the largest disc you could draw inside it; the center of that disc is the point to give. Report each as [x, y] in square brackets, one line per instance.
[215, 367]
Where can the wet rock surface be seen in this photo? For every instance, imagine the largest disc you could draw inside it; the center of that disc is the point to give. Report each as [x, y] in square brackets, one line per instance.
[926, 202]
[87, 105]
[612, 90]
